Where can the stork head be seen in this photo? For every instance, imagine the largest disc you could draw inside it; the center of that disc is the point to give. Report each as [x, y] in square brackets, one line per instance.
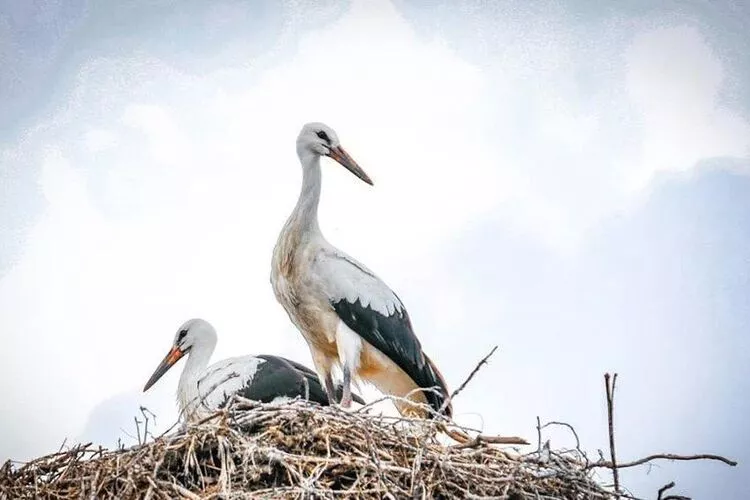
[195, 334]
[318, 139]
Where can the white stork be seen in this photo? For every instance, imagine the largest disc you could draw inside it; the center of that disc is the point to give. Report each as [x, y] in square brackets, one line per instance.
[347, 315]
[203, 389]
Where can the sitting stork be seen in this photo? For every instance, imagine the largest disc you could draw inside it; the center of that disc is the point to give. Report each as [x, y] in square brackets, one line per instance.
[203, 389]
[347, 315]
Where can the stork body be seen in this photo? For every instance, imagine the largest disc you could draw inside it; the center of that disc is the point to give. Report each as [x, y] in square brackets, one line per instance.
[347, 315]
[203, 389]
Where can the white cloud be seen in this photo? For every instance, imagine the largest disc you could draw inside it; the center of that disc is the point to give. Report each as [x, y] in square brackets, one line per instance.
[97, 140]
[674, 79]
[576, 126]
[167, 144]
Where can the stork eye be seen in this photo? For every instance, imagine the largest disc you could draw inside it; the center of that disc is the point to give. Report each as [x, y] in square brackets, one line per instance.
[323, 136]
[182, 334]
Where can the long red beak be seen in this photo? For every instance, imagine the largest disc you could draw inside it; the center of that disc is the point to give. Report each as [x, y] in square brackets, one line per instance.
[172, 357]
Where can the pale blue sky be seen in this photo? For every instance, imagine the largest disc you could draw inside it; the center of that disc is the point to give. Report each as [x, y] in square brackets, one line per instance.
[568, 182]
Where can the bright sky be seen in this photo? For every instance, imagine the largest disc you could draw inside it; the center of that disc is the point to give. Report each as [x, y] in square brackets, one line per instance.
[571, 186]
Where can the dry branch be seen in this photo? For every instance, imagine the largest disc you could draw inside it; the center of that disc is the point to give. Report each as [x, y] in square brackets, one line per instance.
[297, 450]
[610, 390]
[461, 387]
[666, 487]
[663, 456]
[461, 437]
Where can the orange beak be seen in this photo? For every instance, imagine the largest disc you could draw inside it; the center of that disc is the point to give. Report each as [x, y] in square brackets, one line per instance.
[172, 357]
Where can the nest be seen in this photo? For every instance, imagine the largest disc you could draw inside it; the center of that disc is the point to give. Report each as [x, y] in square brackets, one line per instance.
[299, 450]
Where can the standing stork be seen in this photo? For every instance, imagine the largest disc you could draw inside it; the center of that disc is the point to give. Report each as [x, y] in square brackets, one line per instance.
[347, 315]
[204, 389]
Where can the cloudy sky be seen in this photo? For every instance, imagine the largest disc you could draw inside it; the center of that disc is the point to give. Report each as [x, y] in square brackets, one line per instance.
[569, 182]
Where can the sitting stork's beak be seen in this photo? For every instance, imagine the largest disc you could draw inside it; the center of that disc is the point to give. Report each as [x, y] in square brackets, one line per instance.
[168, 362]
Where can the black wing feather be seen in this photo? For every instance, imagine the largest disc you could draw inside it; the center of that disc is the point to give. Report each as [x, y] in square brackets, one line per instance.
[393, 336]
[275, 377]
[314, 380]
[278, 376]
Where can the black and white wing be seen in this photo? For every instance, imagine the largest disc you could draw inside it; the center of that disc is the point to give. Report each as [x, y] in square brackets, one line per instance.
[262, 378]
[372, 310]
[226, 378]
[277, 379]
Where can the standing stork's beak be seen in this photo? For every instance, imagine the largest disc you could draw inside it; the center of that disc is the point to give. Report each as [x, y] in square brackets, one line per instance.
[340, 155]
[169, 360]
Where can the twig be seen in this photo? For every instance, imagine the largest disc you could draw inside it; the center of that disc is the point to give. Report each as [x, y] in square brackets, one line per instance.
[467, 442]
[146, 412]
[538, 435]
[663, 489]
[662, 456]
[669, 497]
[610, 419]
[127, 434]
[570, 427]
[138, 428]
[580, 451]
[468, 379]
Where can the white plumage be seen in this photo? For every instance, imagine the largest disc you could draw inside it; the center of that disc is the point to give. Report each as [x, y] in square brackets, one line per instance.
[203, 389]
[206, 393]
[347, 315]
[342, 277]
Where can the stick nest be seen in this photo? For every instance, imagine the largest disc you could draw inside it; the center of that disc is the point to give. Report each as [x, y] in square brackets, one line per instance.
[299, 450]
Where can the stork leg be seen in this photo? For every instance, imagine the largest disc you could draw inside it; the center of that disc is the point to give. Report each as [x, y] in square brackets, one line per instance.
[349, 346]
[330, 389]
[323, 365]
[346, 396]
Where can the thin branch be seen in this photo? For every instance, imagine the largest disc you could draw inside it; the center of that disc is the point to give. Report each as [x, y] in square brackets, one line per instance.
[128, 434]
[463, 438]
[147, 416]
[467, 442]
[138, 428]
[664, 488]
[570, 427]
[468, 379]
[63, 444]
[580, 451]
[669, 497]
[538, 435]
[610, 419]
[662, 456]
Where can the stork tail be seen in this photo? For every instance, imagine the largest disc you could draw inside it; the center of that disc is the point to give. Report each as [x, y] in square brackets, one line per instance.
[439, 397]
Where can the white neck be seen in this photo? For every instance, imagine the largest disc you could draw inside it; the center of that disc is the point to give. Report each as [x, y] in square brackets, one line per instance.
[195, 368]
[305, 215]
